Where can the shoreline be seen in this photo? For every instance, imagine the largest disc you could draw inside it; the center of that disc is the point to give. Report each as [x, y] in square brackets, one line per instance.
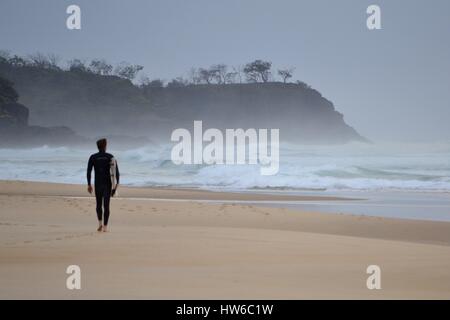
[9, 187]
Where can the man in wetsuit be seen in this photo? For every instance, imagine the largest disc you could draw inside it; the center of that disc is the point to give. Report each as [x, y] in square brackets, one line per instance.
[101, 162]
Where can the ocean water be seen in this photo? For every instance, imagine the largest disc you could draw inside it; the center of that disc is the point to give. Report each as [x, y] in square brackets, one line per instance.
[352, 167]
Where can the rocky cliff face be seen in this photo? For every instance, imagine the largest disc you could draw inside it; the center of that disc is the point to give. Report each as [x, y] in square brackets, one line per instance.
[14, 128]
[96, 105]
[301, 113]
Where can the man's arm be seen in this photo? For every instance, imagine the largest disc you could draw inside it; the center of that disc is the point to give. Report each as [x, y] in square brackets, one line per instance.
[117, 173]
[89, 171]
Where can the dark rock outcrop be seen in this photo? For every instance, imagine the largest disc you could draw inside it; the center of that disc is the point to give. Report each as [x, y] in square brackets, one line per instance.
[14, 114]
[14, 128]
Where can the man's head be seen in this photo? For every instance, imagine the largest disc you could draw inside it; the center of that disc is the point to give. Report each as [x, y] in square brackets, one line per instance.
[101, 145]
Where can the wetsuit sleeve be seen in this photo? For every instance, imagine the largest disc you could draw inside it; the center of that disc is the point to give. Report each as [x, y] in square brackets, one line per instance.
[89, 170]
[117, 173]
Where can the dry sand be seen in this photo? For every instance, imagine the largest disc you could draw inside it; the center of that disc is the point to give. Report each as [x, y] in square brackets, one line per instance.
[159, 249]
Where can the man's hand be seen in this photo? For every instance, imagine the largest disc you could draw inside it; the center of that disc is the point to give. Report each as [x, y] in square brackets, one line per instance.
[89, 189]
[113, 192]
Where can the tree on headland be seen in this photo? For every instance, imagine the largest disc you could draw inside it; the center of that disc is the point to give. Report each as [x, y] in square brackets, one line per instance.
[303, 84]
[177, 83]
[215, 74]
[53, 61]
[220, 73]
[17, 61]
[286, 74]
[44, 61]
[238, 72]
[100, 67]
[206, 75]
[258, 71]
[127, 71]
[230, 77]
[5, 55]
[77, 65]
[145, 82]
[194, 77]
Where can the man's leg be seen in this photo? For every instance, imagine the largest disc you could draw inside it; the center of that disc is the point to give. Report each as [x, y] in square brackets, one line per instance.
[106, 201]
[99, 202]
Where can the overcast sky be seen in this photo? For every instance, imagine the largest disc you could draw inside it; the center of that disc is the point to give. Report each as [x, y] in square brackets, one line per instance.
[391, 84]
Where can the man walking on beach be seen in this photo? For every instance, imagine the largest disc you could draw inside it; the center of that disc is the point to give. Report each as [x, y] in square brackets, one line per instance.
[102, 163]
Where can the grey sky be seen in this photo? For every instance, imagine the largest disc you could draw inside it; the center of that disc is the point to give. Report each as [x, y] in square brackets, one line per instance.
[391, 84]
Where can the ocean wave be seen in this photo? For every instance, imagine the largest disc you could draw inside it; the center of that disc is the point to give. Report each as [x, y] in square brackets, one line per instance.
[354, 167]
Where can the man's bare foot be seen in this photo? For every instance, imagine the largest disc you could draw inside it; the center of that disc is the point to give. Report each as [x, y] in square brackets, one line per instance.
[105, 229]
[100, 229]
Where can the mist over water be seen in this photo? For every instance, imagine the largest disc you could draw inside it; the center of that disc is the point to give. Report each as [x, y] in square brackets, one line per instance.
[365, 167]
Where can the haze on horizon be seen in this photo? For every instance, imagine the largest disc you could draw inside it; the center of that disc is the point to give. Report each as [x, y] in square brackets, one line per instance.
[390, 84]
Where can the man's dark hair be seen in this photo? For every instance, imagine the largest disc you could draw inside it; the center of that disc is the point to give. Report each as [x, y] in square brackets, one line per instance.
[101, 145]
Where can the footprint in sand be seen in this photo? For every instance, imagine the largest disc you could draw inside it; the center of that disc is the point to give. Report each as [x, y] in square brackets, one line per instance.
[66, 237]
[17, 224]
[255, 210]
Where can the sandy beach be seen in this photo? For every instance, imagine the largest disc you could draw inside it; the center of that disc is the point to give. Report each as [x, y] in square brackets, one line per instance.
[174, 243]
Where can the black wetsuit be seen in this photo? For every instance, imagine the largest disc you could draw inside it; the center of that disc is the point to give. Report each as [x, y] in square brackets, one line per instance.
[101, 162]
